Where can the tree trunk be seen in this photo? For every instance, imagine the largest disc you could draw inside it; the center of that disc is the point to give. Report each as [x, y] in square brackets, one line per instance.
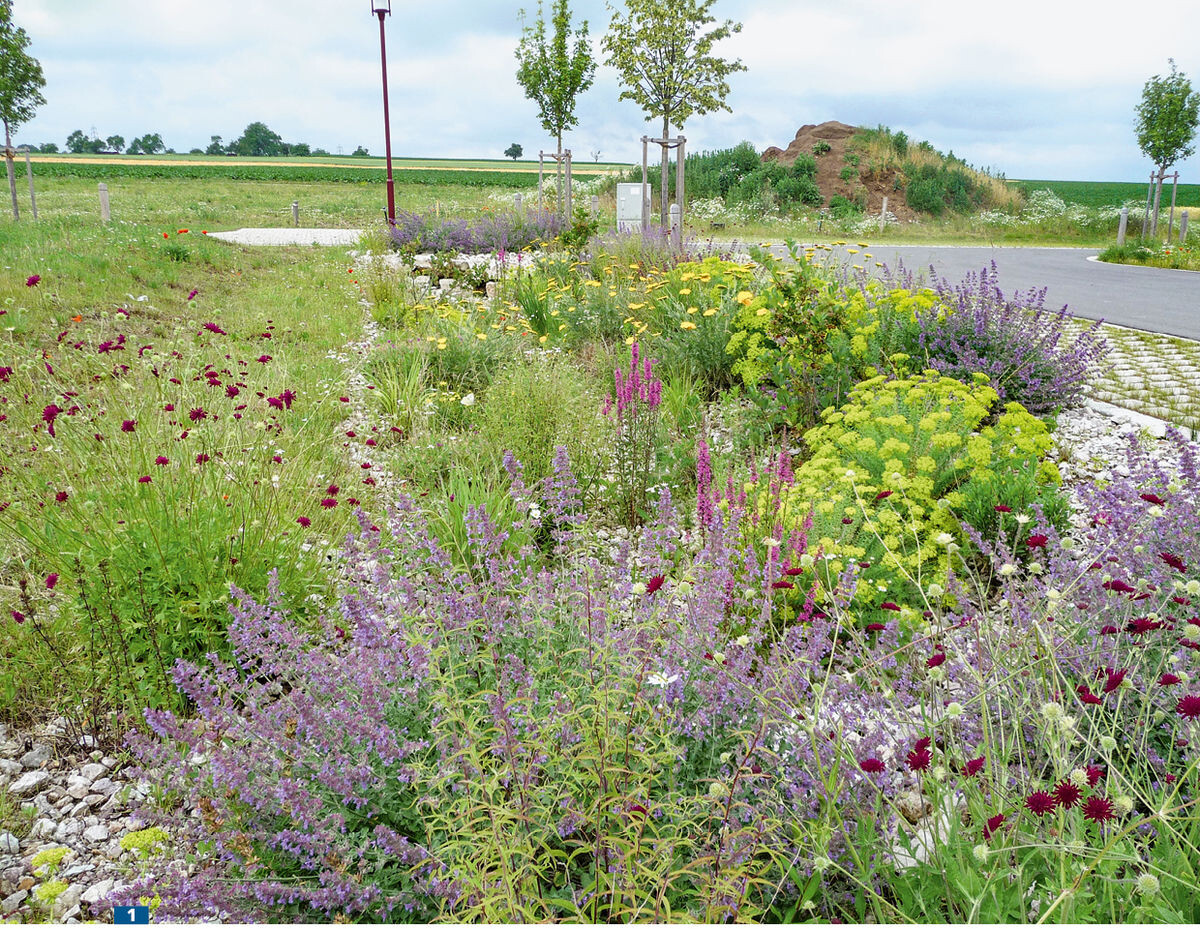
[663, 197]
[1157, 197]
[12, 174]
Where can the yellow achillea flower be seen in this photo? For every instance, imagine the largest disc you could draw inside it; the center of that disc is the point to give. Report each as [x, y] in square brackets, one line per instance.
[687, 324]
[745, 297]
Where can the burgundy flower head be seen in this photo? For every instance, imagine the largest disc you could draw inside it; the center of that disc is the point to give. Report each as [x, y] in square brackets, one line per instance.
[1040, 803]
[993, 823]
[871, 765]
[654, 583]
[1188, 707]
[974, 765]
[1098, 809]
[1173, 560]
[1153, 498]
[1066, 794]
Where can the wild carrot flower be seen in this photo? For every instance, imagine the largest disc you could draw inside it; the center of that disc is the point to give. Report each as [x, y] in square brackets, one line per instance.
[1040, 803]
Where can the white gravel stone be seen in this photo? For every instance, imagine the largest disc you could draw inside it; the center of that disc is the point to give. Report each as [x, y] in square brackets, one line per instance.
[91, 772]
[94, 835]
[98, 892]
[9, 844]
[29, 783]
[289, 236]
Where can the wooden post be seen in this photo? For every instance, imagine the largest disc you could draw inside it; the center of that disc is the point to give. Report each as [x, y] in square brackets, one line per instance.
[29, 174]
[1123, 225]
[1183, 218]
[105, 215]
[567, 216]
[1171, 220]
[883, 215]
[676, 220]
[12, 181]
[517, 202]
[541, 166]
[1146, 212]
[645, 196]
[680, 194]
[1157, 201]
[595, 205]
[295, 212]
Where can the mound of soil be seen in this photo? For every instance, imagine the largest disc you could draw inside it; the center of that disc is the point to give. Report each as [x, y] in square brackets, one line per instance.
[877, 184]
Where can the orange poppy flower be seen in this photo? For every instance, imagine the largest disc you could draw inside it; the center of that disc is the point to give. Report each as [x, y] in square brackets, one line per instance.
[76, 319]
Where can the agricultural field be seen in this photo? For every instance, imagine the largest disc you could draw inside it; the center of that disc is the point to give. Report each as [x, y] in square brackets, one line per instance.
[1111, 193]
[589, 580]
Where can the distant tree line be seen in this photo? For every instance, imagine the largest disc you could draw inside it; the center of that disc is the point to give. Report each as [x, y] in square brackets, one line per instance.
[258, 140]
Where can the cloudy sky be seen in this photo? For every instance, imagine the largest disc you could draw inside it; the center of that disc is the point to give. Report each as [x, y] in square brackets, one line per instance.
[1031, 88]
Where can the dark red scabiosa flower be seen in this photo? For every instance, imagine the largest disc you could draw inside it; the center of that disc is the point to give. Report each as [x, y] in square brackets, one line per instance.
[1040, 803]
[213, 327]
[288, 396]
[365, 466]
[275, 402]
[655, 583]
[231, 391]
[1037, 540]
[1098, 809]
[993, 823]
[1002, 508]
[1119, 586]
[1114, 679]
[343, 399]
[162, 460]
[49, 414]
[782, 585]
[329, 503]
[60, 497]
[33, 280]
[935, 659]
[168, 407]
[145, 479]
[1094, 774]
[304, 521]
[192, 295]
[871, 765]
[846, 520]
[790, 572]
[1167, 680]
[919, 758]
[51, 581]
[1188, 707]
[639, 810]
[1173, 560]
[1086, 696]
[1109, 630]
[18, 616]
[974, 765]
[1153, 498]
[883, 495]
[1066, 794]
[202, 458]
[889, 605]
[332, 490]
[197, 414]
[876, 627]
[263, 359]
[128, 425]
[1142, 625]
[5, 373]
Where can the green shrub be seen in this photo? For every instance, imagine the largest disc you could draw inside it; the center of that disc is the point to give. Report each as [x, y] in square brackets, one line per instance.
[821, 147]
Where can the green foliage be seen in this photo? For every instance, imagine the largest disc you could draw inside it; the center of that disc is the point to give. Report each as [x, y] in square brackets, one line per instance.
[1167, 118]
[257, 140]
[514, 151]
[821, 147]
[584, 225]
[664, 58]
[551, 72]
[843, 207]
[934, 188]
[21, 77]
[893, 472]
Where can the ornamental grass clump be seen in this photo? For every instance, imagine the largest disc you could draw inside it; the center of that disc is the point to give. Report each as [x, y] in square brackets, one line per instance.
[1026, 351]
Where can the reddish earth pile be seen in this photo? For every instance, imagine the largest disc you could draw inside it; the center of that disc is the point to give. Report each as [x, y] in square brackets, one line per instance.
[877, 184]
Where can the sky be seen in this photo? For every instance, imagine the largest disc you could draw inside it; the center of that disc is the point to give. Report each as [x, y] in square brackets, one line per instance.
[1033, 89]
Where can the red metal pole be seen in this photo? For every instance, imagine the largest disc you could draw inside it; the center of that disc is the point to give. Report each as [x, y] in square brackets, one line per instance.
[387, 132]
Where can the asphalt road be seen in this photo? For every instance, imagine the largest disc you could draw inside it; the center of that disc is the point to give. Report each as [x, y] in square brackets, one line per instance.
[1153, 299]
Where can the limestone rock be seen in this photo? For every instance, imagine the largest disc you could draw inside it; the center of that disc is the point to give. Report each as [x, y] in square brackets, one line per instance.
[29, 783]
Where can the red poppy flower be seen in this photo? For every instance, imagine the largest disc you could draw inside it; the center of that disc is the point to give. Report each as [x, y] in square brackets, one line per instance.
[871, 765]
[974, 765]
[1188, 707]
[1066, 794]
[1040, 802]
[1098, 809]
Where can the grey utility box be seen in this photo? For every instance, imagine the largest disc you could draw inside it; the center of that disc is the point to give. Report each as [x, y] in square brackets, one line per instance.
[633, 201]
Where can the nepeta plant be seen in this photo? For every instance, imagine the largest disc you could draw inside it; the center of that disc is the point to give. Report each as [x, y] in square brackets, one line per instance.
[633, 405]
[491, 232]
[1025, 349]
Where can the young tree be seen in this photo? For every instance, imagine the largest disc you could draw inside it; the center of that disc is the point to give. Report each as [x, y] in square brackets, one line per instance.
[21, 83]
[214, 146]
[552, 73]
[514, 151]
[663, 56]
[115, 142]
[1166, 124]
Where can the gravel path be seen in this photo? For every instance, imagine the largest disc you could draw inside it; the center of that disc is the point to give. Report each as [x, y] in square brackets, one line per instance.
[289, 236]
